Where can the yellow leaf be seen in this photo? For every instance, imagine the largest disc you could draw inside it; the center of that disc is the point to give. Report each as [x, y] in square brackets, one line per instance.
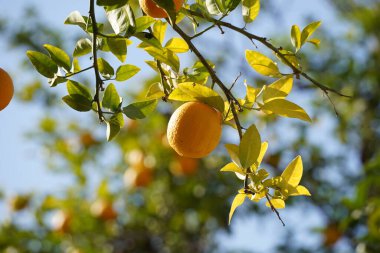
[238, 201]
[277, 203]
[177, 45]
[309, 30]
[232, 167]
[250, 10]
[279, 89]
[263, 150]
[252, 94]
[285, 108]
[159, 29]
[296, 37]
[293, 173]
[299, 190]
[258, 196]
[233, 151]
[262, 64]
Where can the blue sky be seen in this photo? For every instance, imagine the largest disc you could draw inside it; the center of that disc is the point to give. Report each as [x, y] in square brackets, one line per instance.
[21, 161]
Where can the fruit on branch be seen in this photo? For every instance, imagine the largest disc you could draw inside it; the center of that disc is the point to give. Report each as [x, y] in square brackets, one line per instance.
[6, 89]
[194, 129]
[151, 9]
[103, 209]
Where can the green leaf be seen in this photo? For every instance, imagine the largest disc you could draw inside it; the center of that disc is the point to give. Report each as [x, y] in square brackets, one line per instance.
[83, 47]
[75, 18]
[155, 91]
[42, 63]
[75, 88]
[231, 5]
[113, 3]
[78, 102]
[279, 89]
[119, 20]
[105, 68]
[285, 108]
[299, 191]
[293, 173]
[238, 201]
[196, 92]
[148, 40]
[114, 124]
[232, 167]
[315, 42]
[233, 151]
[289, 56]
[59, 56]
[111, 98]
[309, 30]
[215, 7]
[159, 29]
[250, 10]
[140, 110]
[124, 72]
[164, 55]
[277, 203]
[262, 64]
[296, 37]
[118, 47]
[56, 80]
[177, 45]
[251, 94]
[142, 23]
[249, 148]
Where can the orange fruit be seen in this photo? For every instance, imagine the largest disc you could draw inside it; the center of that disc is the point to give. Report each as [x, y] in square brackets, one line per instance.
[61, 221]
[151, 9]
[6, 89]
[332, 234]
[103, 209]
[87, 139]
[194, 129]
[184, 166]
[137, 178]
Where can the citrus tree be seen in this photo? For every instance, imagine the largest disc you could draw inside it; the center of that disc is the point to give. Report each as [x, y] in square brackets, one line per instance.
[193, 130]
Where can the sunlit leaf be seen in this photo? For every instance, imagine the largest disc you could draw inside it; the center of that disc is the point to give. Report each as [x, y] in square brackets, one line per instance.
[279, 89]
[315, 42]
[155, 91]
[42, 63]
[277, 203]
[105, 69]
[263, 150]
[177, 45]
[296, 37]
[164, 55]
[114, 124]
[238, 201]
[214, 7]
[293, 173]
[75, 18]
[196, 92]
[118, 19]
[142, 23]
[309, 30]
[59, 56]
[233, 151]
[83, 47]
[298, 191]
[75, 88]
[118, 47]
[262, 64]
[285, 108]
[250, 10]
[125, 72]
[232, 167]
[78, 102]
[111, 98]
[159, 30]
[249, 148]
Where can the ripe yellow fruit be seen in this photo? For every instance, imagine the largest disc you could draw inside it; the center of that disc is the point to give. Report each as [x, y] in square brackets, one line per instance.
[6, 89]
[194, 129]
[151, 9]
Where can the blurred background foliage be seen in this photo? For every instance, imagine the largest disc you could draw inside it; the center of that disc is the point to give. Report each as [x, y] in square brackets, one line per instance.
[136, 195]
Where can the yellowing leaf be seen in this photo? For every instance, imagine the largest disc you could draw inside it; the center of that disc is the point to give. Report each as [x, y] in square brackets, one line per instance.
[232, 167]
[252, 94]
[238, 201]
[293, 173]
[277, 203]
[299, 190]
[285, 108]
[263, 150]
[296, 37]
[165, 56]
[177, 45]
[250, 10]
[159, 29]
[249, 148]
[190, 91]
[315, 42]
[309, 30]
[262, 64]
[259, 195]
[233, 151]
[279, 89]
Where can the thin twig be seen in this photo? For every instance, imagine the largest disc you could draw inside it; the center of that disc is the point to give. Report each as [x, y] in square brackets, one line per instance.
[202, 32]
[98, 79]
[80, 71]
[162, 76]
[233, 84]
[274, 210]
[214, 77]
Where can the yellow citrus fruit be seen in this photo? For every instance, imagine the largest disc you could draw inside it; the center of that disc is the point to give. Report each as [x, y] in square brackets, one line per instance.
[6, 89]
[194, 129]
[151, 9]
